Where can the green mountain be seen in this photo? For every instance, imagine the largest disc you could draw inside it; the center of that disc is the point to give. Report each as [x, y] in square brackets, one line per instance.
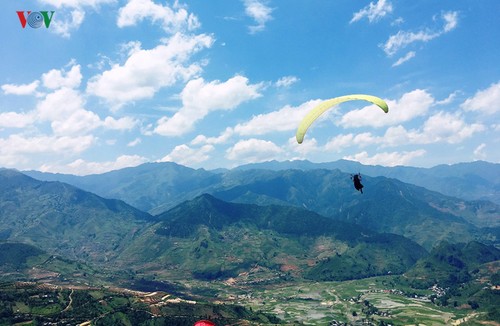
[24, 262]
[15, 255]
[145, 187]
[210, 239]
[476, 180]
[388, 205]
[65, 220]
[450, 264]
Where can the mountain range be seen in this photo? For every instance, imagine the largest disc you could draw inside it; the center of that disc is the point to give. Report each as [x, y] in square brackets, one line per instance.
[63, 219]
[388, 204]
[253, 225]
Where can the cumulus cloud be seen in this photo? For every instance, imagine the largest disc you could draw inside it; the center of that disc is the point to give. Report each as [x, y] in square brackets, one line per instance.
[222, 138]
[59, 78]
[285, 119]
[125, 123]
[486, 101]
[386, 158]
[253, 150]
[199, 98]
[23, 89]
[258, 11]
[19, 144]
[60, 104]
[448, 127]
[309, 146]
[339, 142]
[441, 127]
[67, 21]
[411, 105]
[16, 120]
[71, 14]
[188, 156]
[82, 167]
[173, 19]
[373, 12]
[146, 71]
[65, 109]
[78, 122]
[404, 38]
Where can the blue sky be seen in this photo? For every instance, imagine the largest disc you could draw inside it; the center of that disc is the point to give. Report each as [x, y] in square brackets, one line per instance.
[220, 83]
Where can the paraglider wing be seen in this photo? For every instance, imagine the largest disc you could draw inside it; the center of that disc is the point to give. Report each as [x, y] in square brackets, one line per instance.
[204, 323]
[323, 106]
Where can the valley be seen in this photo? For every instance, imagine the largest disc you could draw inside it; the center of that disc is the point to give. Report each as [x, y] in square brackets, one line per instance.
[244, 247]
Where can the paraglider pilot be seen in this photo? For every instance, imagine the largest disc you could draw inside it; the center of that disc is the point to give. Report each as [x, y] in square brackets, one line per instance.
[357, 182]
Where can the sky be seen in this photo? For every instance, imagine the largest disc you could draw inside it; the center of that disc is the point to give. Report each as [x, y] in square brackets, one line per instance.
[107, 84]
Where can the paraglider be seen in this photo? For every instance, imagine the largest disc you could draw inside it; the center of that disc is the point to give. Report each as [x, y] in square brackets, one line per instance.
[204, 323]
[324, 106]
[357, 182]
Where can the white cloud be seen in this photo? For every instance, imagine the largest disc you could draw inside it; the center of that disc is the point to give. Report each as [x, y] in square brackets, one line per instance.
[405, 58]
[386, 159]
[222, 138]
[253, 150]
[451, 21]
[71, 13]
[55, 79]
[448, 100]
[286, 81]
[479, 153]
[65, 110]
[82, 167]
[339, 142]
[125, 123]
[77, 3]
[185, 155]
[16, 120]
[173, 20]
[403, 38]
[374, 11]
[441, 127]
[20, 145]
[79, 122]
[309, 146]
[411, 105]
[285, 119]
[60, 104]
[258, 11]
[24, 89]
[146, 71]
[134, 142]
[448, 127]
[67, 21]
[200, 98]
[486, 101]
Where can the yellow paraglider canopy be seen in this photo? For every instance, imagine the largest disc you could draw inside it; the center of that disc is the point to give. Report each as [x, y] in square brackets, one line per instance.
[323, 106]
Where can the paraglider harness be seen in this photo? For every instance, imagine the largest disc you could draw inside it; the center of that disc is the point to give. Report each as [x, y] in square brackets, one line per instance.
[357, 182]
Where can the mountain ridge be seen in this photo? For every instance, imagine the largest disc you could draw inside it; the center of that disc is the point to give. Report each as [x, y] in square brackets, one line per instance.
[53, 215]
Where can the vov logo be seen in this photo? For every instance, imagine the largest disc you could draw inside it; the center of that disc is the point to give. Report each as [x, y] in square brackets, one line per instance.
[35, 19]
